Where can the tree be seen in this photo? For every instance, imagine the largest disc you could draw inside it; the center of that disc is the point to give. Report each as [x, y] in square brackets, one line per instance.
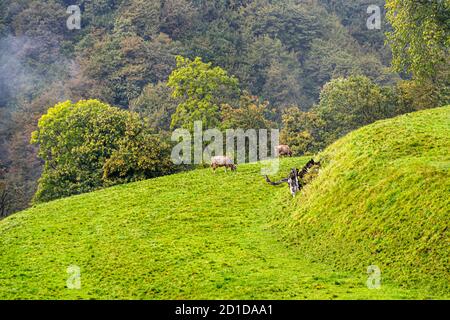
[420, 38]
[75, 140]
[141, 154]
[295, 24]
[5, 197]
[202, 89]
[273, 72]
[156, 104]
[301, 130]
[347, 104]
[88, 145]
[414, 95]
[251, 114]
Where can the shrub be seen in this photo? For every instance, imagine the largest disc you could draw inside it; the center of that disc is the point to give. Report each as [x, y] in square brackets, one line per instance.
[141, 154]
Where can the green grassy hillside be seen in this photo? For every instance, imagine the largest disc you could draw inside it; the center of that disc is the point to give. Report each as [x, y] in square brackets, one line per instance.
[200, 235]
[382, 198]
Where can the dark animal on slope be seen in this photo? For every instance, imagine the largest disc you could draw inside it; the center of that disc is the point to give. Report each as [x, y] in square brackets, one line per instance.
[283, 150]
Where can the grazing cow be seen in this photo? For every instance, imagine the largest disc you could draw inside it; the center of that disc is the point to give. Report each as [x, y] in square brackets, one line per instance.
[222, 161]
[283, 150]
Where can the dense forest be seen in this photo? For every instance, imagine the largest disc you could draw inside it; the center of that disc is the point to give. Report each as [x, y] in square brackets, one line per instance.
[312, 68]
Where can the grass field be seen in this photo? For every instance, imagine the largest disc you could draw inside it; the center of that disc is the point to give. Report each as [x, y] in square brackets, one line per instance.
[199, 235]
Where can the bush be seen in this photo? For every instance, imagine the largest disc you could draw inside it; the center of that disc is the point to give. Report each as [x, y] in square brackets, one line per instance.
[141, 154]
[301, 131]
[350, 103]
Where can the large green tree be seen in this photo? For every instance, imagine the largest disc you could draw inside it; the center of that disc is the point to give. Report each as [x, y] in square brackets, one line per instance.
[157, 104]
[420, 38]
[349, 103]
[75, 139]
[201, 88]
[88, 145]
[141, 154]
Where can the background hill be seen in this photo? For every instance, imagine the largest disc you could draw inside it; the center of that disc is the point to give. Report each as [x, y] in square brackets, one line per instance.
[204, 235]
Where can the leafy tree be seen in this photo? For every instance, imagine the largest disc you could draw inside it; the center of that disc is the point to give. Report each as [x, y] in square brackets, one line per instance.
[347, 104]
[294, 24]
[251, 114]
[75, 140]
[414, 95]
[420, 38]
[156, 104]
[88, 145]
[140, 154]
[273, 72]
[301, 130]
[202, 89]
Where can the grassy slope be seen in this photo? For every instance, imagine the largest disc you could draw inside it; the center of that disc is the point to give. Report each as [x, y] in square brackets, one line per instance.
[383, 198]
[199, 235]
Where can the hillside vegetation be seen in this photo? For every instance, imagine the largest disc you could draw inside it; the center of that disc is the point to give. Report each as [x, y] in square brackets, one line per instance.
[382, 198]
[314, 69]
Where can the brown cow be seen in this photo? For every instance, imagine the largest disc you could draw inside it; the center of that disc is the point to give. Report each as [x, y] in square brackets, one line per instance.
[222, 161]
[283, 150]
